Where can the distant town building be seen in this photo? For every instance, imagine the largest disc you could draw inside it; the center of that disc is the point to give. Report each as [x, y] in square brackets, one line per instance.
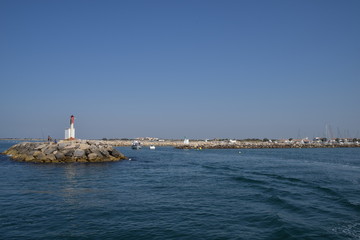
[147, 139]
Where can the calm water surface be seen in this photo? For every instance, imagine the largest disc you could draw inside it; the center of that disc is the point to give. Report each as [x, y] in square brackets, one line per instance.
[185, 194]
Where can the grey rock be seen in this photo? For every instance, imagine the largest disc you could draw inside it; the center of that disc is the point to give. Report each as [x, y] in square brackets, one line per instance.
[79, 153]
[29, 158]
[115, 153]
[94, 149]
[69, 152]
[41, 146]
[36, 153]
[70, 146]
[62, 145]
[51, 157]
[84, 146]
[59, 155]
[31, 152]
[92, 156]
[41, 156]
[87, 151]
[105, 153]
[23, 150]
[49, 150]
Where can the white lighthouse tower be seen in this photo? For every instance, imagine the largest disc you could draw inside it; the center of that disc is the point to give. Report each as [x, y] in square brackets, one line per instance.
[70, 132]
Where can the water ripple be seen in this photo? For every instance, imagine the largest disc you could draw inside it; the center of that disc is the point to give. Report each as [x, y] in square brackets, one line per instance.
[175, 194]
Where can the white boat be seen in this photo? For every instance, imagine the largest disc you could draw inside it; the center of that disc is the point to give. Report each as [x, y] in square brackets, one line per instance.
[136, 145]
[152, 147]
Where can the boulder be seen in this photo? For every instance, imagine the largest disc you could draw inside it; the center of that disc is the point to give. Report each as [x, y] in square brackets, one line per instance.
[41, 156]
[70, 147]
[79, 153]
[68, 152]
[36, 153]
[115, 153]
[49, 149]
[40, 147]
[23, 149]
[94, 149]
[29, 158]
[104, 152]
[62, 145]
[50, 157]
[93, 156]
[87, 151]
[59, 155]
[84, 146]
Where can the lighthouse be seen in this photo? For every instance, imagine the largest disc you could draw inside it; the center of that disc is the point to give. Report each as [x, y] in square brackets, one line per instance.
[70, 132]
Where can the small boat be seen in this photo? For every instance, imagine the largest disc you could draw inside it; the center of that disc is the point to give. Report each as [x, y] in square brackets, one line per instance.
[152, 147]
[136, 145]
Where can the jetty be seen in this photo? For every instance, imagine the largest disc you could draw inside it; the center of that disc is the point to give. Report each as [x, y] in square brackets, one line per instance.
[232, 144]
[263, 145]
[64, 151]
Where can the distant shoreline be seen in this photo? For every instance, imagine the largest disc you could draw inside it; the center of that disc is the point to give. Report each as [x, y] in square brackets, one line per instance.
[233, 145]
[214, 144]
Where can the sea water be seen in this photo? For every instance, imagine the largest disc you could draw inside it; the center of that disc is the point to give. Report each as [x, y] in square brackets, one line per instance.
[169, 193]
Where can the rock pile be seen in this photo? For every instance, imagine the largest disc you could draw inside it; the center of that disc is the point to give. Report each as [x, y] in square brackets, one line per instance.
[64, 151]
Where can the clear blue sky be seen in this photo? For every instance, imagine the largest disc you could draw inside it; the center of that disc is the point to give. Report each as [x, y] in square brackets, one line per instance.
[169, 69]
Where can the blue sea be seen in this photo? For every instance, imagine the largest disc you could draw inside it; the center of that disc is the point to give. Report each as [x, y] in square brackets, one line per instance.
[170, 193]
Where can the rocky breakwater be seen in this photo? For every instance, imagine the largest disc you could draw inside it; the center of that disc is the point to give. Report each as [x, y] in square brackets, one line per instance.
[64, 151]
[259, 145]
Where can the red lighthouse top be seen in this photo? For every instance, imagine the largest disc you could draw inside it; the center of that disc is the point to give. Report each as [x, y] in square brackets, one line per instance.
[72, 119]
